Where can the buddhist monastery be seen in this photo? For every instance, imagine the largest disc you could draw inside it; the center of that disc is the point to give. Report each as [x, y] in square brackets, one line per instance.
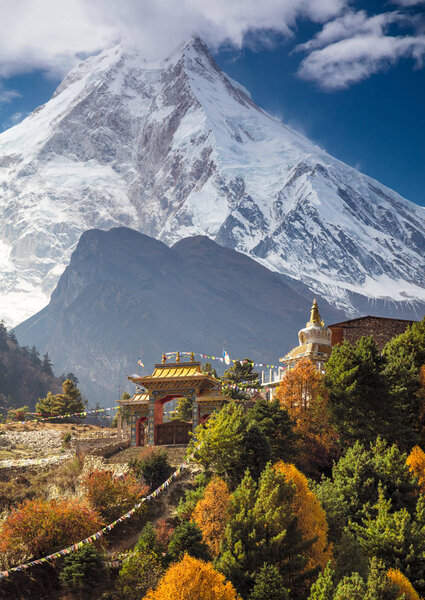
[168, 381]
[315, 342]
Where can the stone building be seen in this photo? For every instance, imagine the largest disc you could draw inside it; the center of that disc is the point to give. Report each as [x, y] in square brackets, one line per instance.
[382, 329]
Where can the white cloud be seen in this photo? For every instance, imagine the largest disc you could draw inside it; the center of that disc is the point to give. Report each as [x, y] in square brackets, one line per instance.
[7, 95]
[52, 35]
[354, 46]
[408, 2]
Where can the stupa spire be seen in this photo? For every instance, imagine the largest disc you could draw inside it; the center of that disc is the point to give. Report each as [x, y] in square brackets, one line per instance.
[315, 318]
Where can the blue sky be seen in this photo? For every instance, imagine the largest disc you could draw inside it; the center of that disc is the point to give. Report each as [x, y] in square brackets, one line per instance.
[348, 75]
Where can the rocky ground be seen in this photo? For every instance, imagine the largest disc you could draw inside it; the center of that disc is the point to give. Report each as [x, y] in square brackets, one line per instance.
[41, 440]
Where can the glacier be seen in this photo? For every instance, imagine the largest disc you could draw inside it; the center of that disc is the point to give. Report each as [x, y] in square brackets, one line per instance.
[176, 149]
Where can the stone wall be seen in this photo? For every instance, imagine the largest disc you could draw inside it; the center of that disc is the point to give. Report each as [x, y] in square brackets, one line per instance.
[381, 329]
[101, 446]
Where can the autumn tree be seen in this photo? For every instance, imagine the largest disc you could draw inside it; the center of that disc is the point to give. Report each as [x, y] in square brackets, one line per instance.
[193, 579]
[38, 527]
[311, 516]
[302, 392]
[402, 584]
[301, 389]
[64, 404]
[416, 463]
[211, 514]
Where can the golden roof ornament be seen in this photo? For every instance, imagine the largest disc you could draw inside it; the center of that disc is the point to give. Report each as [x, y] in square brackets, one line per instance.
[164, 359]
[178, 357]
[192, 357]
[315, 318]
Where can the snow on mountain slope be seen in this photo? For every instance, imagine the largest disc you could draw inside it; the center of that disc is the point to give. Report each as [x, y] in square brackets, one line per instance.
[176, 149]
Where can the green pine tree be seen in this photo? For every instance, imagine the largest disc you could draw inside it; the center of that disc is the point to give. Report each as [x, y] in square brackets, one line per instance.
[269, 585]
[278, 427]
[324, 587]
[241, 374]
[263, 528]
[187, 539]
[361, 405]
[405, 354]
[68, 402]
[396, 538]
[353, 490]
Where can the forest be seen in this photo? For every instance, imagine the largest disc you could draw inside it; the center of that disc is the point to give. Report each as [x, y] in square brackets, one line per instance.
[318, 494]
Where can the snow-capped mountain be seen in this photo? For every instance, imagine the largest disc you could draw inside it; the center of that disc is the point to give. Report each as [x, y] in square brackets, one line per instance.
[176, 149]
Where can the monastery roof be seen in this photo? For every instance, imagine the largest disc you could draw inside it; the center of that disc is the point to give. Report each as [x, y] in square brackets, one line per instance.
[176, 371]
[307, 350]
[136, 399]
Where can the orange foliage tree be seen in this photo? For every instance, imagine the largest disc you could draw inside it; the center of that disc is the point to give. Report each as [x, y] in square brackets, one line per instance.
[111, 495]
[311, 516]
[416, 463]
[38, 527]
[302, 392]
[402, 584]
[193, 579]
[211, 513]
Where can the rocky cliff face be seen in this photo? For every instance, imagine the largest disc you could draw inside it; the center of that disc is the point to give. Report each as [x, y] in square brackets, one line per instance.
[177, 149]
[126, 295]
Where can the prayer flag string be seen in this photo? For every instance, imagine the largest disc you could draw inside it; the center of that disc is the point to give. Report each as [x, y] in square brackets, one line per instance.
[102, 532]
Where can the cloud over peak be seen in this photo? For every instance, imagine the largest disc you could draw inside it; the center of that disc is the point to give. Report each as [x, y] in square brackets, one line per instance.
[354, 46]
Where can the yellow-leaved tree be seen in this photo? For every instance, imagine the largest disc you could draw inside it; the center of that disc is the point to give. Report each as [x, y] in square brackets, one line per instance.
[303, 394]
[402, 584]
[311, 516]
[211, 513]
[193, 579]
[416, 463]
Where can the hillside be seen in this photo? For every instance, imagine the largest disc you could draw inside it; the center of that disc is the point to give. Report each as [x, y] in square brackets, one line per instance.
[24, 376]
[126, 295]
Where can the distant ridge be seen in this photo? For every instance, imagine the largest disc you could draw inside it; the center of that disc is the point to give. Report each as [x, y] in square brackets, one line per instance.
[126, 295]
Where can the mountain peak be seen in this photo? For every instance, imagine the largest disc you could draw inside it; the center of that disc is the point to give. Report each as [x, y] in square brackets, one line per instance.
[177, 149]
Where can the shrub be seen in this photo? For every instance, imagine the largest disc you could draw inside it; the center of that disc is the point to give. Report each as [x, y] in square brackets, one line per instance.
[140, 572]
[84, 570]
[154, 468]
[112, 496]
[193, 579]
[38, 527]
